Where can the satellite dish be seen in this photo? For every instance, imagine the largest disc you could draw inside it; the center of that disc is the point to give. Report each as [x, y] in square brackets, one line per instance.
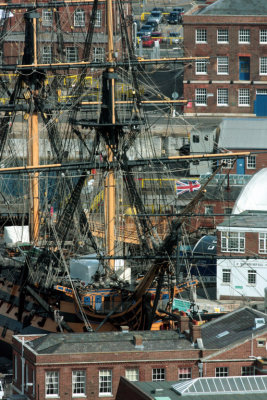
[175, 95]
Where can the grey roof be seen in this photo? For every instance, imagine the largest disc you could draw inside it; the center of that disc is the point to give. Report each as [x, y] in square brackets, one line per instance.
[94, 342]
[236, 7]
[232, 328]
[247, 219]
[243, 133]
[165, 391]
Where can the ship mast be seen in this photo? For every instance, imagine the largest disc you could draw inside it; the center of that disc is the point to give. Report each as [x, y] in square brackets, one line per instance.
[110, 179]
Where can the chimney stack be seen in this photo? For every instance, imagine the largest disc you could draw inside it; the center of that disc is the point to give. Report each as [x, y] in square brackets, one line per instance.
[138, 341]
[183, 322]
[195, 331]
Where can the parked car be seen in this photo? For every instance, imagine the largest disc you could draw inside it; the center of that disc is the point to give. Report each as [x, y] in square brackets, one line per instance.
[161, 9]
[147, 41]
[174, 18]
[174, 37]
[155, 16]
[157, 36]
[180, 10]
[154, 24]
[146, 30]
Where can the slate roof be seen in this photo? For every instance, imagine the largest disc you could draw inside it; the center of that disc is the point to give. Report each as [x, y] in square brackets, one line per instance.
[108, 342]
[247, 219]
[232, 328]
[236, 7]
[243, 133]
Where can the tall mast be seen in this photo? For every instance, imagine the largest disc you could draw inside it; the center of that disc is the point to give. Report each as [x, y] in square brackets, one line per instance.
[110, 180]
[30, 55]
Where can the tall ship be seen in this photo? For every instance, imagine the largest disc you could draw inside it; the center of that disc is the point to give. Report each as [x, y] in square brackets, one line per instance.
[90, 224]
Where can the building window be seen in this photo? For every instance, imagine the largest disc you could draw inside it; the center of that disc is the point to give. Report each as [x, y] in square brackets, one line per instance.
[221, 371]
[47, 55]
[222, 97]
[262, 242]
[201, 97]
[261, 91]
[228, 163]
[195, 138]
[248, 370]
[261, 342]
[251, 277]
[251, 162]
[78, 383]
[52, 384]
[47, 17]
[222, 65]
[158, 374]
[99, 54]
[227, 211]
[222, 36]
[201, 67]
[79, 18]
[243, 97]
[263, 65]
[71, 54]
[98, 21]
[105, 382]
[184, 373]
[208, 210]
[244, 36]
[233, 241]
[132, 374]
[226, 276]
[201, 36]
[263, 35]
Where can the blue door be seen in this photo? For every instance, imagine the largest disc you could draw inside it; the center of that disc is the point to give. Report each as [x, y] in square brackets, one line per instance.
[244, 68]
[240, 166]
[260, 105]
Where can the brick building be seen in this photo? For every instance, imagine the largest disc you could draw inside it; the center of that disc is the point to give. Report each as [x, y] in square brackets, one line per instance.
[233, 33]
[90, 365]
[242, 239]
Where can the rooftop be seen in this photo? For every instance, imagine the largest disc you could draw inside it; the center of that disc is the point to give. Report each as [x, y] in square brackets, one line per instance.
[247, 219]
[236, 7]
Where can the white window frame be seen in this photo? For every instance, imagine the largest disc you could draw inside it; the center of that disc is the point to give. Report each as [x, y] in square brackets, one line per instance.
[223, 65]
[263, 36]
[263, 242]
[228, 209]
[209, 209]
[222, 97]
[201, 35]
[47, 17]
[158, 374]
[201, 97]
[79, 18]
[261, 342]
[54, 377]
[47, 55]
[184, 373]
[226, 276]
[221, 371]
[105, 382]
[99, 54]
[247, 370]
[132, 374]
[263, 66]
[201, 67]
[251, 162]
[78, 383]
[228, 163]
[222, 36]
[98, 19]
[243, 98]
[244, 36]
[233, 242]
[252, 277]
[71, 54]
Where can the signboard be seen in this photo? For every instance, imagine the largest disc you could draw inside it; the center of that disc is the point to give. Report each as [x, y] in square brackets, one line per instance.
[181, 305]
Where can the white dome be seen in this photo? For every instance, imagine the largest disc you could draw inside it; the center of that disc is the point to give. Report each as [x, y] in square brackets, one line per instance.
[253, 196]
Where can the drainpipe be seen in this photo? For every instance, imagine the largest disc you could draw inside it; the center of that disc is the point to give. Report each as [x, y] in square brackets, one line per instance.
[200, 369]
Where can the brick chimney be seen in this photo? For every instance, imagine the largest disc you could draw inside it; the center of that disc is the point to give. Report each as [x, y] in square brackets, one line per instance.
[195, 331]
[183, 322]
[138, 340]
